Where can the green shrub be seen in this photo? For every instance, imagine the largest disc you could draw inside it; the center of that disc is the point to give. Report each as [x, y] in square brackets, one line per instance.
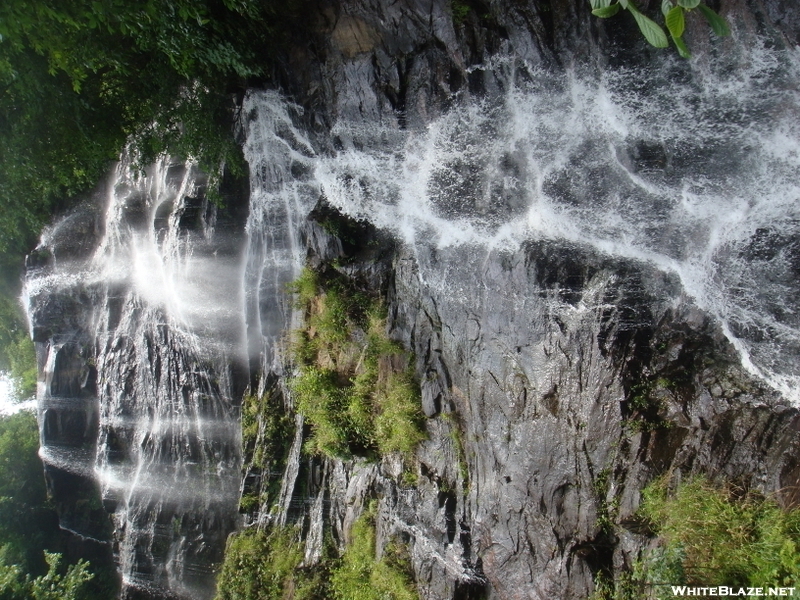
[360, 576]
[721, 536]
[399, 419]
[22, 357]
[17, 355]
[56, 584]
[355, 386]
[323, 402]
[267, 565]
[266, 431]
[460, 11]
[260, 565]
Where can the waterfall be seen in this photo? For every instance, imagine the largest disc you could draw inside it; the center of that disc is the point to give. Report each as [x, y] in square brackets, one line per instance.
[153, 323]
[692, 168]
[151, 317]
[281, 196]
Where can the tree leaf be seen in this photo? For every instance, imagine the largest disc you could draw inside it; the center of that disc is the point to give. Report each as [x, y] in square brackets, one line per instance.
[608, 11]
[688, 3]
[624, 4]
[681, 46]
[718, 24]
[675, 22]
[596, 4]
[651, 30]
[666, 6]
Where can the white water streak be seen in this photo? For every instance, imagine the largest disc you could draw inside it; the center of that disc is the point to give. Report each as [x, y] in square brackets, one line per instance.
[701, 179]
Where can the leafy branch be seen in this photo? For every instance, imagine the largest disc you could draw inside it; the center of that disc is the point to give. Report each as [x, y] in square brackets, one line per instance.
[674, 19]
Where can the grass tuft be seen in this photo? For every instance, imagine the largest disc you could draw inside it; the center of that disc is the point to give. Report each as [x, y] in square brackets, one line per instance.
[355, 385]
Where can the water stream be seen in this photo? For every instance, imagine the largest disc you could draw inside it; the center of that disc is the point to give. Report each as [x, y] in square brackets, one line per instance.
[162, 328]
[691, 169]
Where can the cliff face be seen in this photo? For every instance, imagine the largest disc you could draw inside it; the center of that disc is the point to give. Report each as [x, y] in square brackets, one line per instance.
[561, 368]
[557, 379]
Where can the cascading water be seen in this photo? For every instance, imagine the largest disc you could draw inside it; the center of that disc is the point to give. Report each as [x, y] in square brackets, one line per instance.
[692, 169]
[164, 342]
[281, 195]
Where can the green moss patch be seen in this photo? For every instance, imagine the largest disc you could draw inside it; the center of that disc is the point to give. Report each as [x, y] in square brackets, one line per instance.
[355, 385]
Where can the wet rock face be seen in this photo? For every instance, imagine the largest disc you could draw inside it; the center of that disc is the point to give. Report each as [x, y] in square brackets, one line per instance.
[556, 382]
[556, 386]
[544, 393]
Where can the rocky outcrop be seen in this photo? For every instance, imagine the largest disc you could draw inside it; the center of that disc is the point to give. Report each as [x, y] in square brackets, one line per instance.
[556, 381]
[556, 388]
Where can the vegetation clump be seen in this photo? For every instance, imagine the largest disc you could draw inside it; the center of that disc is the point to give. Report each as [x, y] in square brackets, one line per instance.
[266, 436]
[711, 536]
[674, 18]
[265, 565]
[360, 576]
[79, 80]
[268, 565]
[17, 354]
[724, 536]
[31, 544]
[355, 385]
[15, 584]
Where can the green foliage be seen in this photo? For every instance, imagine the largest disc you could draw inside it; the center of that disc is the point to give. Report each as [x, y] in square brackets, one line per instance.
[56, 584]
[22, 360]
[324, 403]
[267, 432]
[249, 503]
[674, 19]
[398, 422]
[607, 510]
[360, 576]
[460, 11]
[651, 31]
[724, 536]
[355, 386]
[709, 536]
[24, 522]
[305, 287]
[260, 565]
[80, 79]
[17, 355]
[29, 526]
[644, 404]
[266, 429]
[21, 473]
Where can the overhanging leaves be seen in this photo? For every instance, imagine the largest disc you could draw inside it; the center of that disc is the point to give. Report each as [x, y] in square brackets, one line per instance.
[651, 31]
[608, 11]
[717, 23]
[681, 46]
[675, 22]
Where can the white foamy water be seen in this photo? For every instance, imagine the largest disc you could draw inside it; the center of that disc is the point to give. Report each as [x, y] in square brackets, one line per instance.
[155, 314]
[695, 172]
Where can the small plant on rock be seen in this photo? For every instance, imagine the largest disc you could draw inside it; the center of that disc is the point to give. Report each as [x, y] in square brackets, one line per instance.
[355, 385]
[674, 19]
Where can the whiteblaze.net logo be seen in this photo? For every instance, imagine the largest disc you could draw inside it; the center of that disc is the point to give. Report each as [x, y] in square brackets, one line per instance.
[731, 592]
